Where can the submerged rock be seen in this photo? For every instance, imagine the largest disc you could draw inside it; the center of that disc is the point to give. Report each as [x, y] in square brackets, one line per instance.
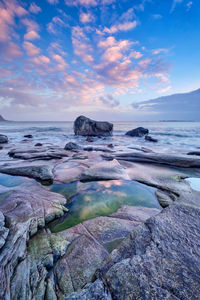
[28, 136]
[139, 132]
[3, 139]
[38, 145]
[150, 139]
[72, 146]
[105, 170]
[88, 127]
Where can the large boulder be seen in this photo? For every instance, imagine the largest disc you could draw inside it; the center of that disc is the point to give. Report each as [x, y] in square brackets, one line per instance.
[87, 127]
[3, 139]
[140, 131]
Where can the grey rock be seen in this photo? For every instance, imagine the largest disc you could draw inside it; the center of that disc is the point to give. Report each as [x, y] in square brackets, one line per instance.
[72, 146]
[162, 260]
[159, 158]
[88, 127]
[3, 139]
[38, 154]
[139, 132]
[25, 208]
[106, 170]
[159, 260]
[28, 136]
[89, 139]
[38, 145]
[39, 172]
[150, 139]
[197, 153]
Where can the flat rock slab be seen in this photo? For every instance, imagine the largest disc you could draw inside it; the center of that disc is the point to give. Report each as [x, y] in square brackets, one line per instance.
[47, 153]
[106, 170]
[159, 260]
[159, 158]
[39, 172]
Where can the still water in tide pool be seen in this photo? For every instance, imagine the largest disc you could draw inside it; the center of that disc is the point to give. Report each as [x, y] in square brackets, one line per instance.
[100, 198]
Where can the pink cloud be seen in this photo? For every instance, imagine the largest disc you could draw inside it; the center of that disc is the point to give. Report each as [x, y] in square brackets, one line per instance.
[31, 35]
[11, 51]
[41, 60]
[53, 1]
[82, 46]
[86, 17]
[81, 2]
[34, 8]
[31, 49]
[30, 24]
[61, 62]
[120, 27]
[135, 54]
[160, 50]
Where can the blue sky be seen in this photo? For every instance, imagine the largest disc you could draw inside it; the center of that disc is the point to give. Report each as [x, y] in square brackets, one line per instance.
[63, 58]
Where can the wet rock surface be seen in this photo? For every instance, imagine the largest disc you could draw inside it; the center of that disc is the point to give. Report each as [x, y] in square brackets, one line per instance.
[3, 139]
[159, 158]
[87, 127]
[139, 132]
[134, 253]
[64, 262]
[150, 139]
[159, 260]
[72, 146]
[39, 172]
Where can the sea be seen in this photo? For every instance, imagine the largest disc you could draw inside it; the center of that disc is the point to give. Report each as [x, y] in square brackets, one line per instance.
[173, 137]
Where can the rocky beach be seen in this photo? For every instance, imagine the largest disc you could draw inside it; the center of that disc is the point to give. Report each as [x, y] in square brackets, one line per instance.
[98, 215]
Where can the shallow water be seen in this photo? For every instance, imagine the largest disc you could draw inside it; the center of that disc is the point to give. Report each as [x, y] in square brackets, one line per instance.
[194, 183]
[173, 137]
[13, 181]
[100, 198]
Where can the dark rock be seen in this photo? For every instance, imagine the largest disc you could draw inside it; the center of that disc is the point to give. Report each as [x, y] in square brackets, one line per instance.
[1, 147]
[3, 139]
[140, 131]
[150, 139]
[38, 145]
[87, 127]
[2, 119]
[28, 136]
[89, 139]
[96, 149]
[197, 153]
[110, 146]
[72, 146]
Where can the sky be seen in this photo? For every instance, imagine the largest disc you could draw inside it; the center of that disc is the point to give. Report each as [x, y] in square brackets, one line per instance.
[99, 58]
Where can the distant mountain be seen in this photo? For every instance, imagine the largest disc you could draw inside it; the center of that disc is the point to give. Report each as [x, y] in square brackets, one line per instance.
[2, 119]
[184, 106]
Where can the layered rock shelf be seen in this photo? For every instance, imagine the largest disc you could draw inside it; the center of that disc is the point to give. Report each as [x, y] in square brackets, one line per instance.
[147, 249]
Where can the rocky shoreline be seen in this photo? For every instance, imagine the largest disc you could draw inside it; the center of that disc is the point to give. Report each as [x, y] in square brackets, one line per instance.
[133, 253]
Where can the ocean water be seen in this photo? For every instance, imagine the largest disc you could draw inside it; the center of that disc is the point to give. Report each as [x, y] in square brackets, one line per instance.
[173, 137]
